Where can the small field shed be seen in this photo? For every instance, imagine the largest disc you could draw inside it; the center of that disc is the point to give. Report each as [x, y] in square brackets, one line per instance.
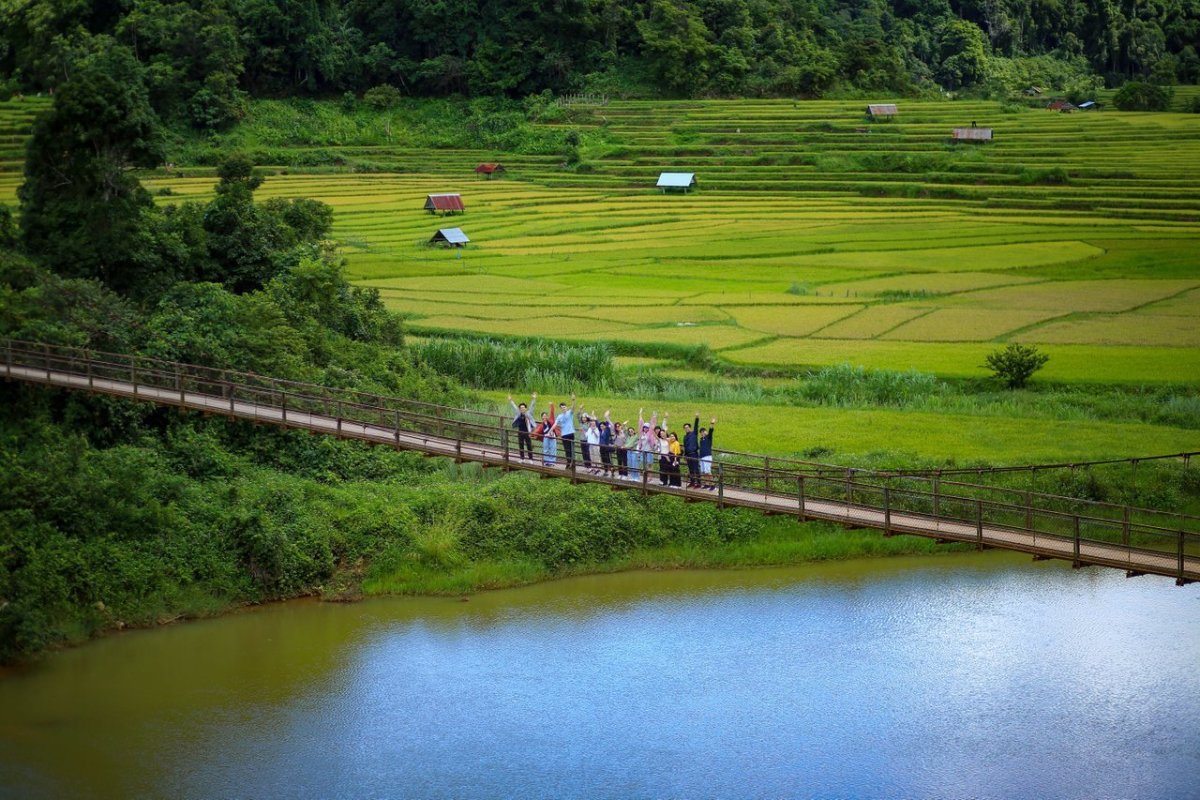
[971, 135]
[882, 110]
[677, 180]
[489, 169]
[445, 203]
[450, 237]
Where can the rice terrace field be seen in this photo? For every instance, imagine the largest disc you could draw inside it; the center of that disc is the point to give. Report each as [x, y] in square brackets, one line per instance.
[815, 238]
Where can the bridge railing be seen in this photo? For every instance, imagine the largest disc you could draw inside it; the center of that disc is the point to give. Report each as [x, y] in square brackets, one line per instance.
[779, 481]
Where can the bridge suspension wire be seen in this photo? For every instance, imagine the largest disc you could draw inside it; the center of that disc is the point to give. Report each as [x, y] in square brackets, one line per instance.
[1139, 540]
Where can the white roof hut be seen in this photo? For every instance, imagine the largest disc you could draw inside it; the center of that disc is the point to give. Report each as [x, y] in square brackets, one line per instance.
[451, 237]
[677, 180]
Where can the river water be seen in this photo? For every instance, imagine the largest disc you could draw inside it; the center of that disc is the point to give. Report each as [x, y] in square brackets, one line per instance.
[977, 675]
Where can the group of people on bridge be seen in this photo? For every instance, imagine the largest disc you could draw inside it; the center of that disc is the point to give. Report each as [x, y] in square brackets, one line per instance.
[616, 449]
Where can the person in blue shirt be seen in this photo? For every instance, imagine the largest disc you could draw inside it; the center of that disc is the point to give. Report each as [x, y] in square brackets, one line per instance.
[566, 425]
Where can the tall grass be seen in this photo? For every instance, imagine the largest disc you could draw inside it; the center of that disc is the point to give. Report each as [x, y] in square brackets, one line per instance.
[493, 364]
[846, 385]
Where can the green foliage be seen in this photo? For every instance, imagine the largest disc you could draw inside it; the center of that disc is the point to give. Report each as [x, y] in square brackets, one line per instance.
[1015, 364]
[82, 211]
[9, 234]
[1139, 96]
[202, 58]
[846, 385]
[491, 364]
[382, 97]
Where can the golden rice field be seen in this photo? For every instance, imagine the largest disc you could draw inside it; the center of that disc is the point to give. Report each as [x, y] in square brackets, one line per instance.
[815, 238]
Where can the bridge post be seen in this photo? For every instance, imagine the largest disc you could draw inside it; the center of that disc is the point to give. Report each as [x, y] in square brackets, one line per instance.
[1028, 510]
[849, 489]
[979, 524]
[646, 477]
[1125, 526]
[458, 444]
[91, 379]
[800, 496]
[229, 386]
[1075, 546]
[179, 384]
[339, 416]
[283, 405]
[720, 486]
[132, 373]
[46, 351]
[8, 357]
[397, 421]
[887, 511]
[1179, 579]
[766, 474]
[937, 494]
[504, 442]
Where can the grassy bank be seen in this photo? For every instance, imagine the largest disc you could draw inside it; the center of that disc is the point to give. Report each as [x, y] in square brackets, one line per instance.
[776, 542]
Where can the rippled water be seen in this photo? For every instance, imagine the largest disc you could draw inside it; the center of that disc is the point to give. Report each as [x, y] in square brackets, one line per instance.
[960, 676]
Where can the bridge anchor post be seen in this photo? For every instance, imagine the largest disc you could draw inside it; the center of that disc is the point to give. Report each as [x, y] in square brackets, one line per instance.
[979, 524]
[800, 497]
[1075, 543]
[887, 511]
[720, 486]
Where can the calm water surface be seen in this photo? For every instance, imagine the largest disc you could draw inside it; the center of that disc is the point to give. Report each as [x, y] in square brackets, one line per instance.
[961, 676]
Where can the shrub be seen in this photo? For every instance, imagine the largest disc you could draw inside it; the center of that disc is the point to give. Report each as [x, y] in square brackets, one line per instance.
[1016, 363]
[1138, 96]
[382, 97]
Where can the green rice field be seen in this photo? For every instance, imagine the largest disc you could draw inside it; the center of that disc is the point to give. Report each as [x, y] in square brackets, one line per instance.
[815, 237]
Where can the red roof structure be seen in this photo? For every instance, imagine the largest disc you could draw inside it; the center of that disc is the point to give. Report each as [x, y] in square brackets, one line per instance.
[445, 203]
[488, 169]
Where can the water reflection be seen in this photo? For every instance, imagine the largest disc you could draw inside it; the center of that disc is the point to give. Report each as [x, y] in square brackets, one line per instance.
[955, 676]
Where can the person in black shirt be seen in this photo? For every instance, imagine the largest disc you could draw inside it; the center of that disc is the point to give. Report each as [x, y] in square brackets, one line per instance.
[523, 422]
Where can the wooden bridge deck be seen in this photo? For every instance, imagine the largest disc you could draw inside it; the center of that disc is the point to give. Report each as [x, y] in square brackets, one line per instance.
[1178, 555]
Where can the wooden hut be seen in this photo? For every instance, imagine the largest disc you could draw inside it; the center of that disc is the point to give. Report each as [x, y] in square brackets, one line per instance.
[882, 110]
[489, 169]
[676, 180]
[971, 135]
[445, 203]
[449, 237]
[1065, 106]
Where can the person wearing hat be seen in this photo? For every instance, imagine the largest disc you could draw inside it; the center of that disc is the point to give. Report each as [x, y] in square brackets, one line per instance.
[647, 444]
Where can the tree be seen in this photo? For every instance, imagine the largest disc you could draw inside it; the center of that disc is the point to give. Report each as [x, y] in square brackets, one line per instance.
[1139, 96]
[962, 54]
[382, 97]
[83, 213]
[1015, 364]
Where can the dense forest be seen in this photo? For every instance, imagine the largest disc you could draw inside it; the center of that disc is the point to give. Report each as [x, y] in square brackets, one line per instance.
[203, 58]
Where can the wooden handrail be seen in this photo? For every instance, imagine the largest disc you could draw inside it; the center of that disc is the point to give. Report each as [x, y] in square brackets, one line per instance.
[488, 429]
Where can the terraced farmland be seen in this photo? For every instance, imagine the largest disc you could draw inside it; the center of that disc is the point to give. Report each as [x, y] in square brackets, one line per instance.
[816, 237]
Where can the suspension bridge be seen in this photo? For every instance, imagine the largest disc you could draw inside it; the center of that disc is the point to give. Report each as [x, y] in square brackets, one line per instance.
[1140, 541]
